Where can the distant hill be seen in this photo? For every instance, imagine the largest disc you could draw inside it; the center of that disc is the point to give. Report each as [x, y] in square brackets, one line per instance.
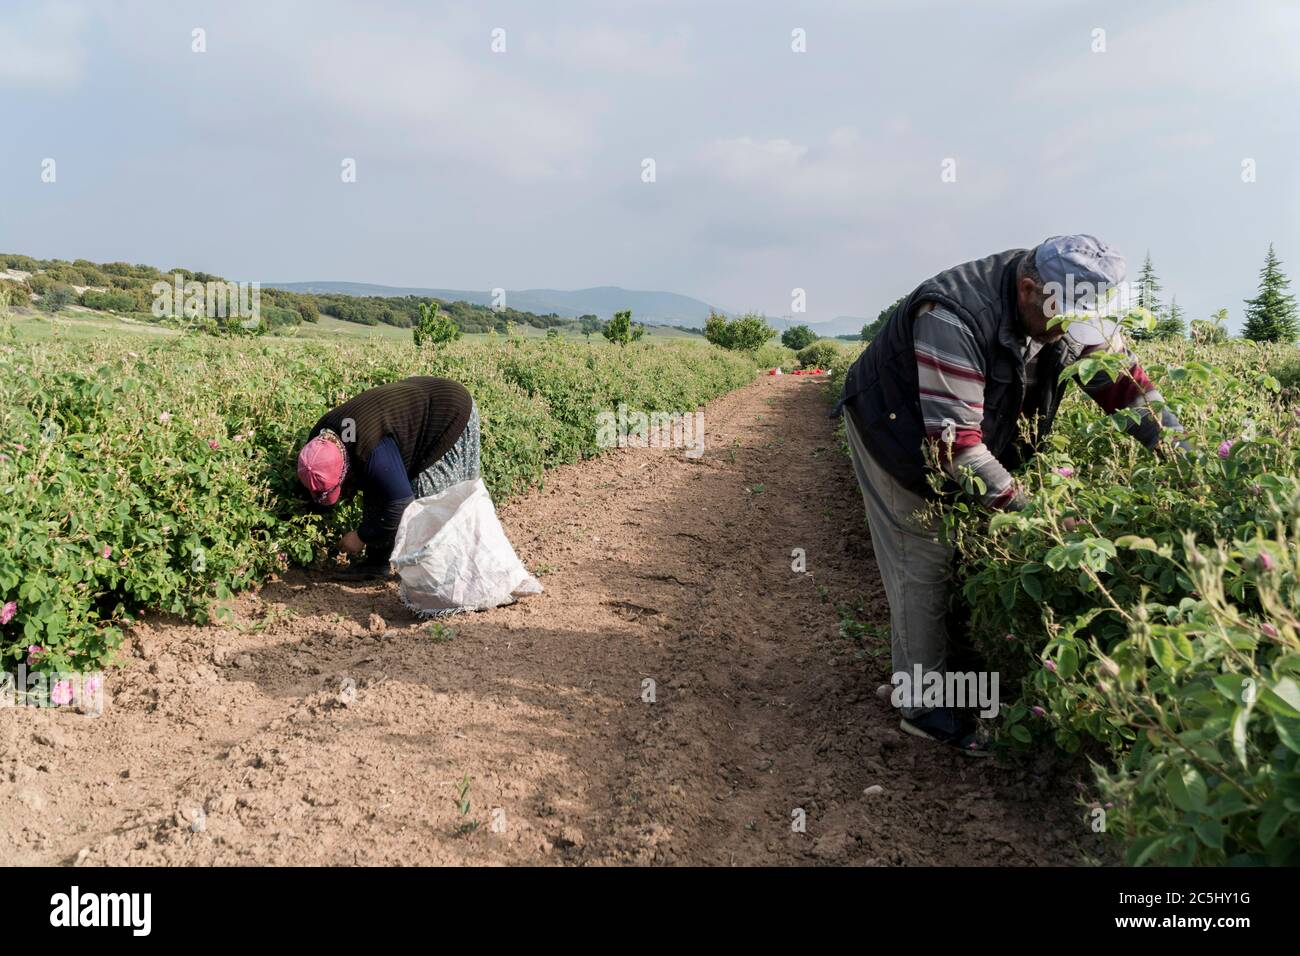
[840, 325]
[657, 308]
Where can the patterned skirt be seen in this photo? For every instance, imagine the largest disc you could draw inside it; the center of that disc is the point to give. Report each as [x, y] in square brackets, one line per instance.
[460, 463]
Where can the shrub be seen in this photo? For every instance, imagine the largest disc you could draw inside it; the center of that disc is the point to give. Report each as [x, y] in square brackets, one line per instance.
[823, 353]
[620, 329]
[160, 475]
[797, 337]
[1141, 635]
[108, 301]
[743, 334]
[57, 297]
[15, 293]
[772, 355]
[434, 328]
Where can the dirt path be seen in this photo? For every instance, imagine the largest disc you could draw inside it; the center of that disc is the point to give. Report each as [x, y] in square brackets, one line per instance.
[308, 732]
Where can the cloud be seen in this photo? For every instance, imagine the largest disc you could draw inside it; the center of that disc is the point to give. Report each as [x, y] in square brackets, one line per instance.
[41, 46]
[776, 191]
[377, 82]
[1228, 51]
[604, 48]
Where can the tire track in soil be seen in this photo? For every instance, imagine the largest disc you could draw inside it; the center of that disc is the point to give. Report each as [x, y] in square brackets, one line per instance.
[656, 566]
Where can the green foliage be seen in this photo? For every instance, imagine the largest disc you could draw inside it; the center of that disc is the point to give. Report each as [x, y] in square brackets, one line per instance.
[1170, 325]
[399, 311]
[434, 328]
[824, 353]
[798, 337]
[620, 329]
[590, 325]
[145, 474]
[57, 297]
[745, 333]
[1148, 296]
[772, 355]
[872, 329]
[278, 317]
[108, 301]
[14, 293]
[6, 313]
[1211, 331]
[1139, 632]
[1271, 315]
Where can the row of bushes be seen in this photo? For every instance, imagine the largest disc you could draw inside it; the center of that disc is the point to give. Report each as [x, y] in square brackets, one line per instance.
[1160, 636]
[141, 475]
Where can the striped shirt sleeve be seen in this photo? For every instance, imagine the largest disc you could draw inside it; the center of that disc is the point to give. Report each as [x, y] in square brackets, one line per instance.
[1133, 390]
[950, 378]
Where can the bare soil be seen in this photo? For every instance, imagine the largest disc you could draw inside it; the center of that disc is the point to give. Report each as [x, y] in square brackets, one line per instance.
[324, 724]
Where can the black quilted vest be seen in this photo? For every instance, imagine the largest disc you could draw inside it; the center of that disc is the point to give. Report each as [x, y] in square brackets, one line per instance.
[881, 386]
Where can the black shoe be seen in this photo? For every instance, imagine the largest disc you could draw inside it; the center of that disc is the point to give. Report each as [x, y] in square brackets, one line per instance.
[358, 573]
[943, 725]
[368, 569]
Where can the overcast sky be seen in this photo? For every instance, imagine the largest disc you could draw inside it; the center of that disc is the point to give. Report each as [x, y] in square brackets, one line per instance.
[774, 169]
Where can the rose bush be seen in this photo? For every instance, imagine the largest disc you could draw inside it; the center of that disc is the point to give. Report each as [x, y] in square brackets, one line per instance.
[1143, 609]
[160, 475]
[1157, 630]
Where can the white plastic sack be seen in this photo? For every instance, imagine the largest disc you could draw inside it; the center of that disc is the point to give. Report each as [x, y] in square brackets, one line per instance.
[452, 554]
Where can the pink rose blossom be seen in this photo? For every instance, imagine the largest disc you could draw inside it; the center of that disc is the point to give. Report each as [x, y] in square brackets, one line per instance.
[1037, 711]
[165, 417]
[1225, 449]
[8, 611]
[1268, 629]
[1065, 471]
[1050, 665]
[1010, 637]
[61, 693]
[90, 687]
[1264, 560]
[213, 444]
[107, 552]
[34, 654]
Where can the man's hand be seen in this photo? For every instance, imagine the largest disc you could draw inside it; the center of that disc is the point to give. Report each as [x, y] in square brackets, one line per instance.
[352, 543]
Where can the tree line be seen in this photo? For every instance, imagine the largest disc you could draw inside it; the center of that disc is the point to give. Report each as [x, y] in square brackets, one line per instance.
[126, 288]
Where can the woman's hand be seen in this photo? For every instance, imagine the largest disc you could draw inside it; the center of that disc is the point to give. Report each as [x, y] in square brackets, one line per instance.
[352, 543]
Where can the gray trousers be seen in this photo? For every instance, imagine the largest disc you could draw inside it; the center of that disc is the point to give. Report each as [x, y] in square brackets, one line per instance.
[915, 565]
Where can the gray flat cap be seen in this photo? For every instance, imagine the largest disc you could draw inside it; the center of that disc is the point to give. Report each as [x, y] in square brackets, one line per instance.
[1085, 257]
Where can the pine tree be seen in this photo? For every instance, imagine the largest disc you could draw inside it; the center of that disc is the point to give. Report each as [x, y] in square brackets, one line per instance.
[1171, 324]
[1148, 294]
[1271, 315]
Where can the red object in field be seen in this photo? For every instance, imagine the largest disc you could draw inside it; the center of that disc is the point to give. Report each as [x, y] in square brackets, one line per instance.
[798, 371]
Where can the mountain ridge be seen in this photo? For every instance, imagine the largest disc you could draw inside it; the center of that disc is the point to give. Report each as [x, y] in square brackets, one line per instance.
[650, 306]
